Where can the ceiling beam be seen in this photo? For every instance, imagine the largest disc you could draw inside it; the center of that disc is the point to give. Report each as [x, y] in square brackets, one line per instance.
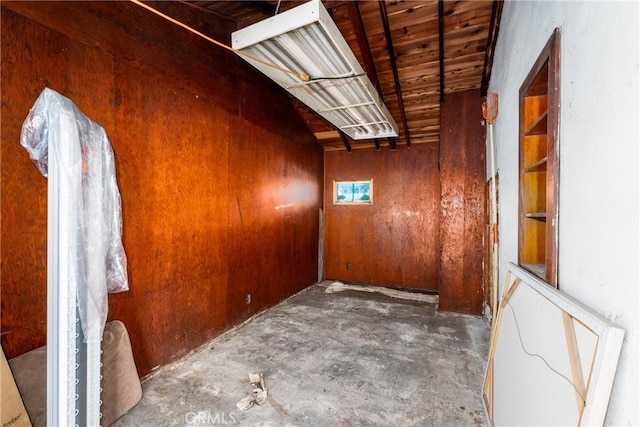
[270, 10]
[345, 141]
[335, 3]
[441, 46]
[363, 43]
[367, 58]
[394, 68]
[494, 27]
[327, 134]
[261, 6]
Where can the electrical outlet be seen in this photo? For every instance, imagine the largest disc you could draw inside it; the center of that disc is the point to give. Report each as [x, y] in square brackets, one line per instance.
[348, 266]
[248, 298]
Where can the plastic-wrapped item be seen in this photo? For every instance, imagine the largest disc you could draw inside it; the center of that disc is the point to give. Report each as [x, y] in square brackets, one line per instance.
[90, 215]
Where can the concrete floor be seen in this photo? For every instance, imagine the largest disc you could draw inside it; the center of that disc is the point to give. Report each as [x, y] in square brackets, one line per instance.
[342, 359]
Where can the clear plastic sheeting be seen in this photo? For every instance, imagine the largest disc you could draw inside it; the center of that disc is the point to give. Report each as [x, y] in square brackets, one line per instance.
[92, 208]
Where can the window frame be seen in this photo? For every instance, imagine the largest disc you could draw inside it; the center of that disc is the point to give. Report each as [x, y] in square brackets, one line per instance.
[365, 202]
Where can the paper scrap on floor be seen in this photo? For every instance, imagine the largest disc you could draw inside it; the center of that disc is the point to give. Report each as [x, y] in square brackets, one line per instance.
[258, 395]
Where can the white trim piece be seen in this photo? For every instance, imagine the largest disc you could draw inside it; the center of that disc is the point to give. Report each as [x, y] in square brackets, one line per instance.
[61, 296]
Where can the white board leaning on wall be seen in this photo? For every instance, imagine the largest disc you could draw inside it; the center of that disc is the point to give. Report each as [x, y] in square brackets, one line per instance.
[552, 360]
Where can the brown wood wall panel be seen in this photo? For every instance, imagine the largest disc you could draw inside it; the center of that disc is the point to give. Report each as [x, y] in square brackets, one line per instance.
[420, 190]
[462, 165]
[24, 190]
[188, 153]
[136, 37]
[394, 241]
[172, 151]
[266, 204]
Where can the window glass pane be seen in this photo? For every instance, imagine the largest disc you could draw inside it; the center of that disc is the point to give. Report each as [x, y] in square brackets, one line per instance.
[352, 192]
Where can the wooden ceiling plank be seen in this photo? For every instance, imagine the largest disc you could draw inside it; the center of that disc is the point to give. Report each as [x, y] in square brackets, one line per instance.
[335, 4]
[460, 22]
[423, 42]
[405, 7]
[434, 121]
[403, 24]
[464, 61]
[422, 113]
[468, 8]
[429, 67]
[262, 7]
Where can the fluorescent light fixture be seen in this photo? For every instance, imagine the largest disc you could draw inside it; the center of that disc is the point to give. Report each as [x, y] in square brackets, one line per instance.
[305, 40]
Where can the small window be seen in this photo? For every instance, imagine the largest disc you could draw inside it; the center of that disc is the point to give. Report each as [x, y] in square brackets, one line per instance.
[353, 192]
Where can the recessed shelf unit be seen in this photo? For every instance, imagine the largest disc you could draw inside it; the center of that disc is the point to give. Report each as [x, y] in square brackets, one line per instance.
[538, 209]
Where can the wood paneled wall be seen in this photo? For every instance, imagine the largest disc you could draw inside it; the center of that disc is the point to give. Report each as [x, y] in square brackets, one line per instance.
[220, 180]
[395, 240]
[425, 227]
[462, 175]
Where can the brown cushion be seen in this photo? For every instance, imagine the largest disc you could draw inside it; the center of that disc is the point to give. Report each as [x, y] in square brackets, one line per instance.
[12, 410]
[121, 388]
[30, 373]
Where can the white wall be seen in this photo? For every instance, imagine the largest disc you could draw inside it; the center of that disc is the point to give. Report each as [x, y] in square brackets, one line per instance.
[599, 160]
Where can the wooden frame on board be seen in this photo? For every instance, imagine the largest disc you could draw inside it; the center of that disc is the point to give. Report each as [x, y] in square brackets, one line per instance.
[552, 360]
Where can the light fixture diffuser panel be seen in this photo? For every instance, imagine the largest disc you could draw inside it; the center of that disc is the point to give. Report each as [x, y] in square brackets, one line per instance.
[305, 41]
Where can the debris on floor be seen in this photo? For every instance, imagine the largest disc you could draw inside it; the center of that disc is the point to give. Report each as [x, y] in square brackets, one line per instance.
[258, 395]
[356, 358]
[394, 293]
